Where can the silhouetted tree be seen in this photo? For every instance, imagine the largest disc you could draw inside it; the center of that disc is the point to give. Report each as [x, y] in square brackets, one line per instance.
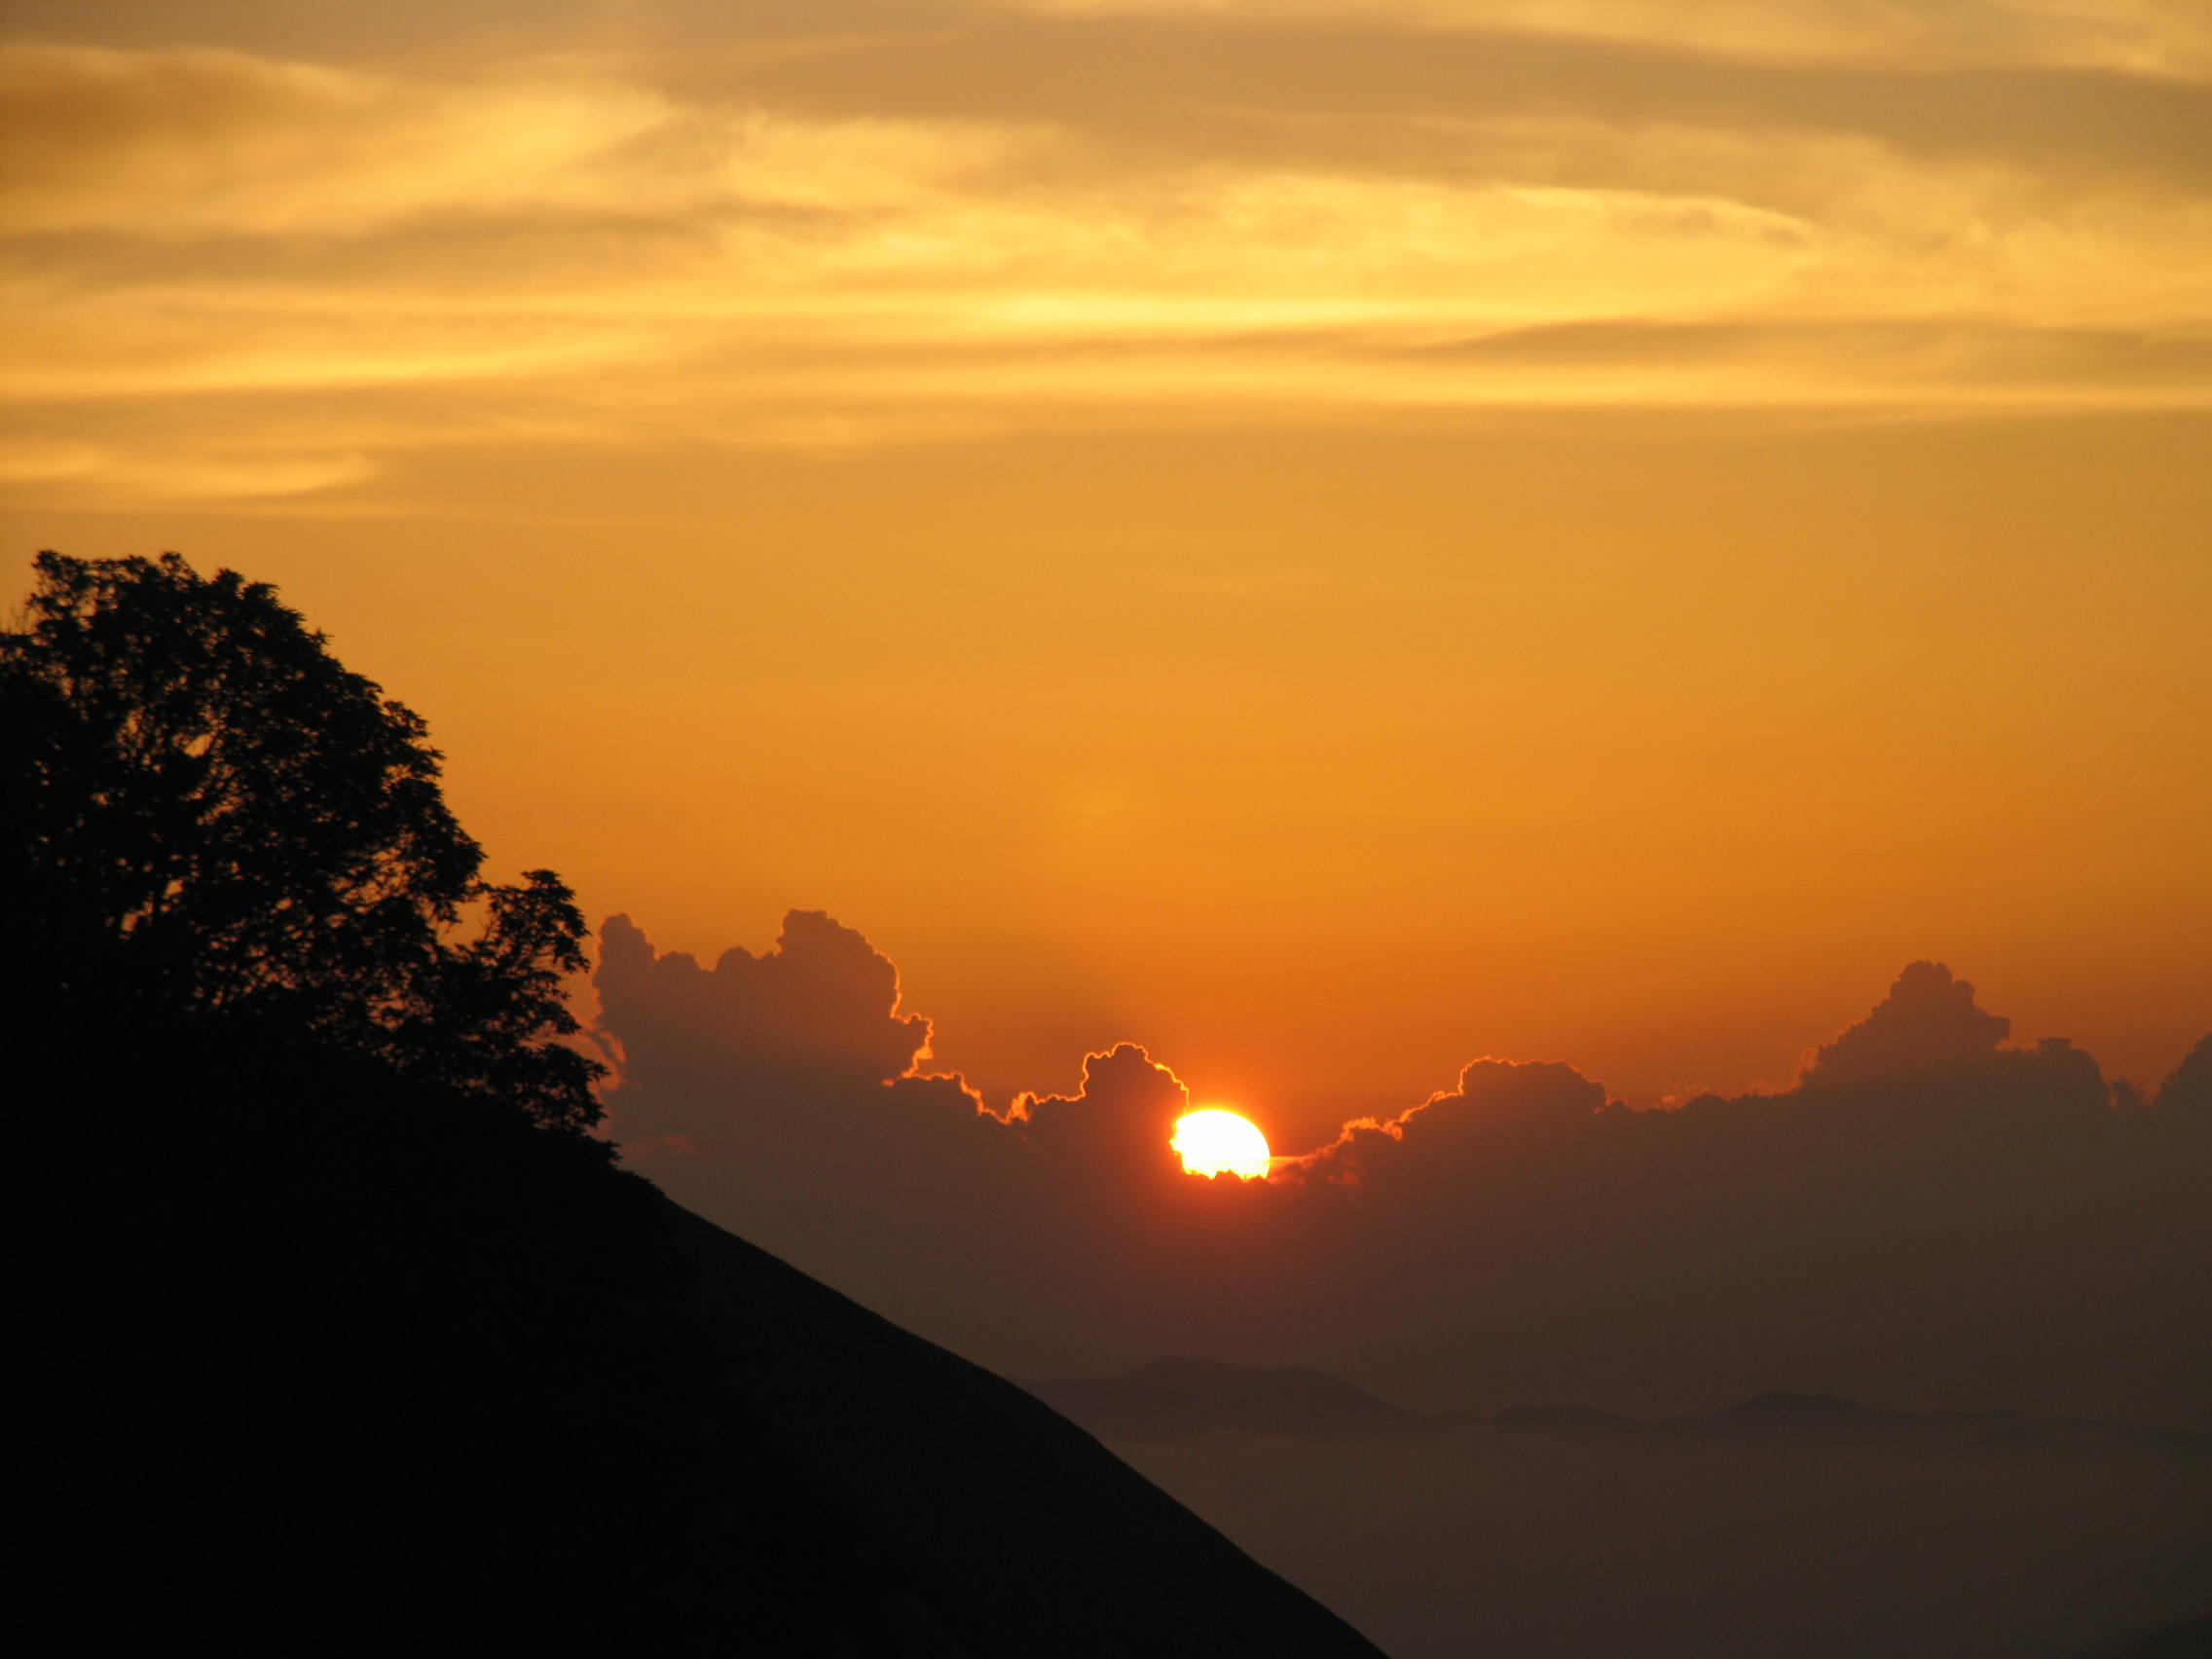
[206, 817]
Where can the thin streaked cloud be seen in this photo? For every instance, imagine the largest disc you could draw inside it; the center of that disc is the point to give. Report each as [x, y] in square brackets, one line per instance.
[862, 236]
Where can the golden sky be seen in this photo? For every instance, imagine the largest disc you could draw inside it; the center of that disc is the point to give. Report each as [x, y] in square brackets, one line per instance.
[1329, 538]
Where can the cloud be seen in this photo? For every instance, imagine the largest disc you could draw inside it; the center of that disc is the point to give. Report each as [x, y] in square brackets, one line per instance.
[2188, 1087]
[85, 474]
[876, 230]
[2159, 37]
[1927, 1027]
[1495, 1099]
[1165, 84]
[178, 144]
[822, 1005]
[1928, 1215]
[169, 143]
[1122, 1114]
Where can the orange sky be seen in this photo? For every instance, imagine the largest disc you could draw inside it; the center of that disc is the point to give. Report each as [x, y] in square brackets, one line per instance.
[1329, 540]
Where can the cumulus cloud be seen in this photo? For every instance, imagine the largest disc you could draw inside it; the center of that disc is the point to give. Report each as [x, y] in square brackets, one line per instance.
[786, 1087]
[1928, 1027]
[822, 1005]
[1929, 1215]
[2188, 1087]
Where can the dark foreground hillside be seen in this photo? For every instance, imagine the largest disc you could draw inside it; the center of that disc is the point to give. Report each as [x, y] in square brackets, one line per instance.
[312, 1362]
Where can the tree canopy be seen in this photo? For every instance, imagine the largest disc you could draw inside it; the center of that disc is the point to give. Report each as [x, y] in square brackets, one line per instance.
[206, 817]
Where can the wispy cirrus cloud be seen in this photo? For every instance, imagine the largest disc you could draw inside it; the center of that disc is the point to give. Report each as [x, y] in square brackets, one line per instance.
[2165, 37]
[1062, 218]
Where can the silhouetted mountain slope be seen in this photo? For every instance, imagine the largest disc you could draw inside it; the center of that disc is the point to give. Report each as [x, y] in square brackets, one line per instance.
[316, 1362]
[1780, 1415]
[1181, 1399]
[1002, 1516]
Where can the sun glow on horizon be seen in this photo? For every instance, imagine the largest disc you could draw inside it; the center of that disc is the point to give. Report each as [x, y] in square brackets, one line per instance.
[1212, 1141]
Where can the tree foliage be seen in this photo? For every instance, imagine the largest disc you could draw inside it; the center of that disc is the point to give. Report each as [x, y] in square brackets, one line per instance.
[206, 817]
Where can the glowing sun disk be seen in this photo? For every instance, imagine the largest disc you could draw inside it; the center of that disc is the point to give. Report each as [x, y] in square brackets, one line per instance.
[1213, 1140]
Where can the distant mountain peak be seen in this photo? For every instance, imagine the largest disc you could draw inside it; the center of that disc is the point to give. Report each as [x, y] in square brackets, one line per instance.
[1182, 1397]
[1779, 1407]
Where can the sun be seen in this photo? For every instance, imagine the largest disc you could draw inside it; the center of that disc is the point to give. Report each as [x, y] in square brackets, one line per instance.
[1212, 1141]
